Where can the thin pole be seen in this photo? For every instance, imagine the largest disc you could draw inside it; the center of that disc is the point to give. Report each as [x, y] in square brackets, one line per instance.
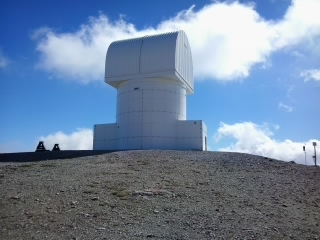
[315, 155]
[305, 154]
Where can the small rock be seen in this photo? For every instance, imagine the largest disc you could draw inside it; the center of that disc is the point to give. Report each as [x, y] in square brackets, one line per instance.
[101, 228]
[95, 198]
[155, 211]
[15, 197]
[104, 203]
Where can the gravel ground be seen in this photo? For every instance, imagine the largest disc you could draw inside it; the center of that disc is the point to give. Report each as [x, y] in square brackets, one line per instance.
[160, 195]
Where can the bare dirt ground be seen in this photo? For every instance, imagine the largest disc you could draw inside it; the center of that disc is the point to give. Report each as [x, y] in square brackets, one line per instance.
[160, 195]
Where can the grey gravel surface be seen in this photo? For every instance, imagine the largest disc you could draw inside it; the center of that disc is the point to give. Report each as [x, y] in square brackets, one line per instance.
[160, 195]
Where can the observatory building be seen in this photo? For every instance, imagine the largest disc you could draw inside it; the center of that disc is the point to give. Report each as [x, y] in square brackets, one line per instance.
[153, 75]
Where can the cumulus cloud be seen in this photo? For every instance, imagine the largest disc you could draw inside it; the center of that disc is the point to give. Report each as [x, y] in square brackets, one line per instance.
[223, 47]
[81, 139]
[300, 23]
[3, 60]
[258, 139]
[312, 74]
[285, 107]
[80, 55]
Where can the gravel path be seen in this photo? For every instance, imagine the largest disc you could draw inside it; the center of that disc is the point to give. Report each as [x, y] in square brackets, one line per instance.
[160, 195]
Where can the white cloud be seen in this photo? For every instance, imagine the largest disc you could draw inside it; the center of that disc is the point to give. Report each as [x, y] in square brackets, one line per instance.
[256, 139]
[285, 107]
[223, 47]
[312, 74]
[80, 55]
[3, 60]
[81, 139]
[301, 23]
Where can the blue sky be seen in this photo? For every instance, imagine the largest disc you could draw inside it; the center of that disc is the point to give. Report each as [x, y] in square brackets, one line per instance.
[256, 70]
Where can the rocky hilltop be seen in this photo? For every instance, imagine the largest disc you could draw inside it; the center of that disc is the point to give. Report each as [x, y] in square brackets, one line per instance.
[158, 195]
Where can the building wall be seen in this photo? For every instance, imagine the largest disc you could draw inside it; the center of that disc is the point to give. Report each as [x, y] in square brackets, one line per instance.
[184, 135]
[105, 136]
[153, 75]
[147, 111]
[191, 135]
[181, 135]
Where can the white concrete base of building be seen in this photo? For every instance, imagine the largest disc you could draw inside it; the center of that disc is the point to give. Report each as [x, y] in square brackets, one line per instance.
[152, 75]
[184, 135]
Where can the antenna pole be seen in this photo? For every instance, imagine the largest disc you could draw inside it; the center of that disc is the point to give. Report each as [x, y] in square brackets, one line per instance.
[315, 153]
[315, 156]
[305, 155]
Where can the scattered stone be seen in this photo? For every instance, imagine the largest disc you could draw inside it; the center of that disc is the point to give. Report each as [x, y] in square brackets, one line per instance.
[143, 193]
[104, 203]
[15, 197]
[101, 228]
[152, 192]
[150, 235]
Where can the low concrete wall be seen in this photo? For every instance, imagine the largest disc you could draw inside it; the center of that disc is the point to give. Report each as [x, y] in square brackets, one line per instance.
[48, 155]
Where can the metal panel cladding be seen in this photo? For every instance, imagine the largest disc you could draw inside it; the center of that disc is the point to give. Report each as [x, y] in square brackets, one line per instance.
[158, 53]
[165, 55]
[183, 59]
[123, 59]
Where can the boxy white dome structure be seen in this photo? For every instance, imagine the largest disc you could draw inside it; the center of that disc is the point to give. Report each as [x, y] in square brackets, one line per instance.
[153, 75]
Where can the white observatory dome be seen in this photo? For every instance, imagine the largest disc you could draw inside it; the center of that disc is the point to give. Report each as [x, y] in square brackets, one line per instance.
[153, 75]
[165, 55]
